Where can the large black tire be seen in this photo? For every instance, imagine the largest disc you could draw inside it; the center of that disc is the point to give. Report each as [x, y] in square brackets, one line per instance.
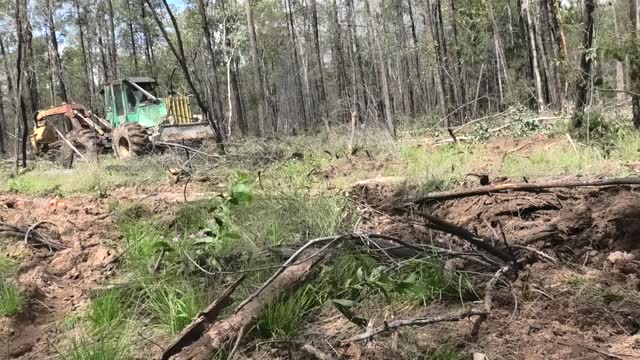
[130, 140]
[85, 141]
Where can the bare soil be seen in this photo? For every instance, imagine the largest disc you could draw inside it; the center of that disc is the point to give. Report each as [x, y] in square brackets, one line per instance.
[58, 283]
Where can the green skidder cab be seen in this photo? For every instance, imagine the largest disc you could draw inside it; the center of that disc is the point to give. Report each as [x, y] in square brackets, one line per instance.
[140, 119]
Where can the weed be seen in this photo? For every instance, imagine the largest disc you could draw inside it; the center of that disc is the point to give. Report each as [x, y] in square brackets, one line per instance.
[103, 348]
[12, 301]
[107, 311]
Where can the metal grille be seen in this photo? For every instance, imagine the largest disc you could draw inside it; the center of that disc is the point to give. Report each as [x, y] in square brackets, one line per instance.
[180, 108]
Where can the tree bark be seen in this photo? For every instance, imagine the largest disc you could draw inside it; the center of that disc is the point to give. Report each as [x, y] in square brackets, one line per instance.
[257, 69]
[55, 54]
[85, 66]
[20, 105]
[316, 48]
[534, 55]
[382, 66]
[582, 88]
[132, 35]
[296, 64]
[634, 85]
[112, 41]
[30, 68]
[214, 91]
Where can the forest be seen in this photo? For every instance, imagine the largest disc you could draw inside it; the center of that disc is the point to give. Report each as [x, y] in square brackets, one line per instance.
[319, 179]
[267, 68]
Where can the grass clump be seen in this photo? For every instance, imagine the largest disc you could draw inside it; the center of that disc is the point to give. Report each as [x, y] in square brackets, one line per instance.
[102, 348]
[173, 306]
[274, 219]
[12, 301]
[353, 278]
[108, 311]
[285, 317]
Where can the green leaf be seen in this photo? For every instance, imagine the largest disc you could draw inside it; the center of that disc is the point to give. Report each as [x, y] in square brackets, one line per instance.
[161, 244]
[241, 193]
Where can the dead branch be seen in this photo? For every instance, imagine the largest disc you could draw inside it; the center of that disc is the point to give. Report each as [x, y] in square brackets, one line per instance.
[413, 322]
[464, 234]
[195, 330]
[525, 187]
[31, 234]
[224, 332]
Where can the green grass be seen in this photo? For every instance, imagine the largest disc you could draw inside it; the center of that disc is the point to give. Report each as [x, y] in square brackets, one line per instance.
[43, 179]
[100, 348]
[284, 317]
[284, 218]
[12, 301]
[108, 311]
[172, 305]
[353, 278]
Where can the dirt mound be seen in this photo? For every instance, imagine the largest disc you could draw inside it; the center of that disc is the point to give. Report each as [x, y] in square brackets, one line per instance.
[55, 283]
[583, 225]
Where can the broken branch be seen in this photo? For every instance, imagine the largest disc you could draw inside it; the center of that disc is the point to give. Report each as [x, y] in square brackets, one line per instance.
[413, 322]
[486, 190]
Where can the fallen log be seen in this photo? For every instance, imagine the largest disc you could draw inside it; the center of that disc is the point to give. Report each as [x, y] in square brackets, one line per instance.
[526, 187]
[222, 333]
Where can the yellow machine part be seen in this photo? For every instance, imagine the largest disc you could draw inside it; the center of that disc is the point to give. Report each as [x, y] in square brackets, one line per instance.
[180, 108]
[42, 134]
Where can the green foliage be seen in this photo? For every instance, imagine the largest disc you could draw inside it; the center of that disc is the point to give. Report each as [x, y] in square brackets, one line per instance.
[101, 348]
[284, 317]
[108, 311]
[93, 179]
[172, 304]
[283, 218]
[522, 126]
[12, 301]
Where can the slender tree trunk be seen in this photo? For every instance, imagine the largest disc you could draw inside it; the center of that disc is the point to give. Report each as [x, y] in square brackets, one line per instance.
[214, 92]
[30, 67]
[338, 57]
[134, 52]
[55, 54]
[419, 86]
[296, 64]
[148, 40]
[257, 69]
[534, 55]
[316, 48]
[619, 65]
[584, 78]
[20, 105]
[440, 79]
[375, 18]
[112, 40]
[3, 121]
[85, 66]
[634, 85]
[103, 57]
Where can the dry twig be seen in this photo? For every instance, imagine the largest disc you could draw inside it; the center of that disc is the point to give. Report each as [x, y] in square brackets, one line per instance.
[413, 322]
